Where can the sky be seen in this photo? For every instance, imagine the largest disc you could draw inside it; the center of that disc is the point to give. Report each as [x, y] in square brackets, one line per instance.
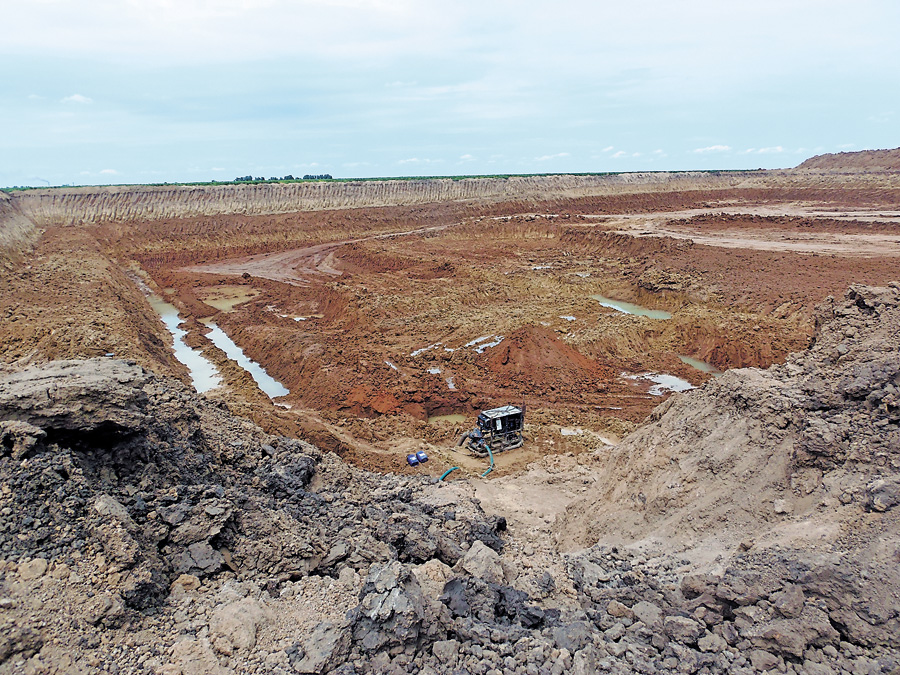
[144, 91]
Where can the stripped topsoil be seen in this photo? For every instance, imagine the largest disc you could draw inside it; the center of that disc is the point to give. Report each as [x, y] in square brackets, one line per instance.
[748, 525]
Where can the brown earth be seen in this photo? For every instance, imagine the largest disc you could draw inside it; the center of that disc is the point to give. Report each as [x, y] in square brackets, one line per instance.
[749, 526]
[866, 160]
[366, 313]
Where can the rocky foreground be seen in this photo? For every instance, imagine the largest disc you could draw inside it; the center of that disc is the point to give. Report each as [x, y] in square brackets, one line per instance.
[144, 529]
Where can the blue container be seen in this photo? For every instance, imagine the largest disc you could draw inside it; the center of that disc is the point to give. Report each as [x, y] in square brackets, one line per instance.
[412, 460]
[421, 456]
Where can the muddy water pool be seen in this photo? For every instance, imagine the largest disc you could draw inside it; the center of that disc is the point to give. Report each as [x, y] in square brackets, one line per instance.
[455, 418]
[630, 308]
[702, 366]
[662, 383]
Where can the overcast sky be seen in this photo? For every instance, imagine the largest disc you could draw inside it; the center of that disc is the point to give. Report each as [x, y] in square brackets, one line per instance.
[138, 91]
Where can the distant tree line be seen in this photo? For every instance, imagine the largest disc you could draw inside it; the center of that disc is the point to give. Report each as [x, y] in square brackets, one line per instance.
[261, 179]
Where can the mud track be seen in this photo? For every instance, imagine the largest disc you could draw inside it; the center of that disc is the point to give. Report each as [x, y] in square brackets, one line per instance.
[295, 266]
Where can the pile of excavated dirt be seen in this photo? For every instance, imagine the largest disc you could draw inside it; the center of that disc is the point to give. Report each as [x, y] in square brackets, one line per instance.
[865, 160]
[751, 526]
[535, 361]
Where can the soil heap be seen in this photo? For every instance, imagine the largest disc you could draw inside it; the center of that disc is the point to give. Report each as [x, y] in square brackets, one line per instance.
[865, 160]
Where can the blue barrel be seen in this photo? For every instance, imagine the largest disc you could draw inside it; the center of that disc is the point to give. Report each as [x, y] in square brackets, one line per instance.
[412, 460]
[421, 456]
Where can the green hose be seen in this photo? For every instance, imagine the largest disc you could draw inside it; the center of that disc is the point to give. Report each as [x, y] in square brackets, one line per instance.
[491, 467]
[447, 472]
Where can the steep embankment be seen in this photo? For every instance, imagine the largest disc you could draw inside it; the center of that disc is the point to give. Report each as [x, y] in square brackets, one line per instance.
[17, 233]
[804, 455]
[754, 450]
[67, 206]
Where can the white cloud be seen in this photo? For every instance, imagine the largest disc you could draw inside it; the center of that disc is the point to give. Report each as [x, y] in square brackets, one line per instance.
[108, 172]
[847, 146]
[217, 168]
[608, 148]
[77, 98]
[619, 154]
[466, 157]
[772, 150]
[713, 148]
[544, 158]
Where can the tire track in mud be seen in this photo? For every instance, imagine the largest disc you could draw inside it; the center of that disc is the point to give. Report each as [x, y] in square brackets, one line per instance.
[295, 266]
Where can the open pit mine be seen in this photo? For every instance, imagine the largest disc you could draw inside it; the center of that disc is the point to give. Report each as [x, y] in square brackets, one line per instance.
[209, 395]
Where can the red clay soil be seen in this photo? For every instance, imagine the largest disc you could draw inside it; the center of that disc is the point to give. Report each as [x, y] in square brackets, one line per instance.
[535, 361]
[369, 332]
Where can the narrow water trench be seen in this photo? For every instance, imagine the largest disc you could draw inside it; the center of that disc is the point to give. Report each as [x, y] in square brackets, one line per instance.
[268, 384]
[204, 374]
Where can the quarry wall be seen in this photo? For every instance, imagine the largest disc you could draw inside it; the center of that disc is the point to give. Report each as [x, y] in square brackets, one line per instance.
[69, 206]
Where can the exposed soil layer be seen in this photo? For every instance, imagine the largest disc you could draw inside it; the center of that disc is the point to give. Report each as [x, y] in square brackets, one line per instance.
[379, 317]
[748, 526]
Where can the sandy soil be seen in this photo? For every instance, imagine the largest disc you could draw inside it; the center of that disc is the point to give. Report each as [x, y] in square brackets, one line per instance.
[371, 315]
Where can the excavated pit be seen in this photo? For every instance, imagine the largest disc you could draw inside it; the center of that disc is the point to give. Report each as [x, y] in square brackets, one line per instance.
[750, 525]
[373, 319]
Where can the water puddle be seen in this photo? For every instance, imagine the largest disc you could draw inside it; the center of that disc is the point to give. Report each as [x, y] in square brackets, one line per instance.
[630, 308]
[454, 419]
[484, 345]
[392, 366]
[450, 385]
[268, 384]
[434, 371]
[702, 366]
[662, 383]
[567, 317]
[425, 349]
[225, 297]
[204, 375]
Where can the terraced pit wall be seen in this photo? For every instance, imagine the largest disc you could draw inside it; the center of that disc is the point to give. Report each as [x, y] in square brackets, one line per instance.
[72, 206]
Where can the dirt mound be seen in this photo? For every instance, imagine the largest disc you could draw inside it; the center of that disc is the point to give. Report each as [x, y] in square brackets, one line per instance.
[805, 454]
[534, 358]
[865, 160]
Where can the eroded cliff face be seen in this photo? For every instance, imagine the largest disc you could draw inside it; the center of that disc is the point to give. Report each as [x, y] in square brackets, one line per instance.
[17, 233]
[72, 206]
